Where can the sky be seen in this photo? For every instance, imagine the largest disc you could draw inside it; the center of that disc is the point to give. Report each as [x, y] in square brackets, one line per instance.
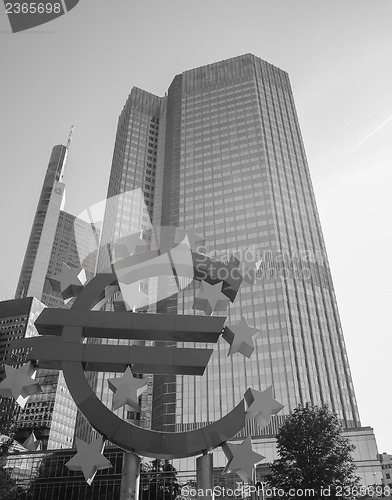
[79, 69]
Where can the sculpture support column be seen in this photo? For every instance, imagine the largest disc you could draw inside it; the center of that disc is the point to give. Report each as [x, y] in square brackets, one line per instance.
[130, 477]
[204, 477]
[254, 494]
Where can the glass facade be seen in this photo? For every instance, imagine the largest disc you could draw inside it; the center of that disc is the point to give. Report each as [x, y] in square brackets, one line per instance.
[17, 319]
[133, 167]
[74, 240]
[223, 152]
[237, 171]
[43, 475]
[52, 413]
[129, 208]
[39, 247]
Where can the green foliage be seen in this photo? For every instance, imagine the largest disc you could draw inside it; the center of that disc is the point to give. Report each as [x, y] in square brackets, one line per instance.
[159, 481]
[313, 454]
[8, 488]
[5, 444]
[7, 433]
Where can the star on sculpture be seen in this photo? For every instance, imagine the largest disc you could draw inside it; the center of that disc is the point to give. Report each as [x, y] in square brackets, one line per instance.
[69, 282]
[248, 267]
[261, 405]
[127, 390]
[193, 239]
[19, 383]
[241, 459]
[32, 443]
[89, 459]
[132, 296]
[240, 337]
[129, 244]
[210, 298]
[233, 264]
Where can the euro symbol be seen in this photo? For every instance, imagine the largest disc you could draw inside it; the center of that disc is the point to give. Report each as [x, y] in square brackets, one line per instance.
[63, 332]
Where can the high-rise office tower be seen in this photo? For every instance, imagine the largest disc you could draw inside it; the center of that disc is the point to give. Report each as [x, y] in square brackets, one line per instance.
[235, 167]
[56, 237]
[39, 248]
[129, 208]
[223, 152]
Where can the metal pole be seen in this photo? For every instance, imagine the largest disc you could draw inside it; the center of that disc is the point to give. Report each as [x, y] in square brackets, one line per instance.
[253, 495]
[204, 477]
[130, 477]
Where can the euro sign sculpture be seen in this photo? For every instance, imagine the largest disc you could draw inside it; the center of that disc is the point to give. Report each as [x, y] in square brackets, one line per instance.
[61, 344]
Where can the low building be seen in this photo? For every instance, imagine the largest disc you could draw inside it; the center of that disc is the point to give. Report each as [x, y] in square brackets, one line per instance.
[17, 319]
[365, 454]
[43, 474]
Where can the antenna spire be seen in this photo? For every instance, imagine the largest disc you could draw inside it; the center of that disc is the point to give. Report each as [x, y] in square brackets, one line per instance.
[66, 153]
[70, 137]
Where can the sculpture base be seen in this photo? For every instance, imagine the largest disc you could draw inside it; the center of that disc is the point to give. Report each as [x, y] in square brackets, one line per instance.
[130, 477]
[204, 477]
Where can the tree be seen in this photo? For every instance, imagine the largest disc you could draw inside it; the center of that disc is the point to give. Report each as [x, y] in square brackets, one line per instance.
[314, 456]
[8, 488]
[170, 482]
[159, 481]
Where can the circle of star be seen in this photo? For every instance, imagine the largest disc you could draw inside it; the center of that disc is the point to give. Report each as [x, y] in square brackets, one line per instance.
[19, 384]
[241, 459]
[240, 337]
[127, 390]
[261, 405]
[89, 459]
[210, 298]
[69, 282]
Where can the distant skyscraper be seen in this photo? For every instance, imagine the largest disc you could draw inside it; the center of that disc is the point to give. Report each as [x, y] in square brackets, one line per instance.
[74, 244]
[42, 236]
[56, 237]
[223, 152]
